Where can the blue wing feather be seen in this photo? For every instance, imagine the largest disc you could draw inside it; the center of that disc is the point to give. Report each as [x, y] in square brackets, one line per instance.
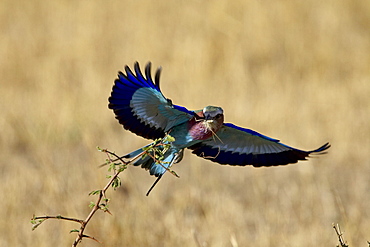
[240, 146]
[140, 106]
[250, 132]
[183, 109]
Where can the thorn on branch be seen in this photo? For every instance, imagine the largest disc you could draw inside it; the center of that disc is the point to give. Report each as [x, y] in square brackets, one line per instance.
[92, 238]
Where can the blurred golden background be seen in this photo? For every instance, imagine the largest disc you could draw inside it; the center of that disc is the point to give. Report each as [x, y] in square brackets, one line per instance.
[293, 70]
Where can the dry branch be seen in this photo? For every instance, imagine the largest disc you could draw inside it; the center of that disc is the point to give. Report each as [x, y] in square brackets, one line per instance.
[98, 205]
[114, 181]
[340, 236]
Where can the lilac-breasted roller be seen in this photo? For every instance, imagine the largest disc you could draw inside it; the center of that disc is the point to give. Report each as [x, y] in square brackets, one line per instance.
[140, 107]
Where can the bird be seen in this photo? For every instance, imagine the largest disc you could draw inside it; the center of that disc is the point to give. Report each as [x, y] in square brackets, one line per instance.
[140, 106]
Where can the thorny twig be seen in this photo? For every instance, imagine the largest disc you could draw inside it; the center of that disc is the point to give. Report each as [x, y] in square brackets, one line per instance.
[37, 220]
[113, 181]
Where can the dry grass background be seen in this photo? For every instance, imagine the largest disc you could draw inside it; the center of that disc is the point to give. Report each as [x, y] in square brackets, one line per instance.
[294, 70]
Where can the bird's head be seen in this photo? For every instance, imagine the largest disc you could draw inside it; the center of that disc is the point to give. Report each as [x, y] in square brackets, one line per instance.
[213, 118]
[213, 113]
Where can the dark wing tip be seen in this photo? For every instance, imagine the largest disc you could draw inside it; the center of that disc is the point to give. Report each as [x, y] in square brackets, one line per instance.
[136, 65]
[321, 149]
[128, 70]
[157, 76]
[148, 72]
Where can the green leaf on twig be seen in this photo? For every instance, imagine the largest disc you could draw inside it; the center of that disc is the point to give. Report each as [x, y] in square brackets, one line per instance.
[36, 223]
[169, 138]
[94, 192]
[116, 183]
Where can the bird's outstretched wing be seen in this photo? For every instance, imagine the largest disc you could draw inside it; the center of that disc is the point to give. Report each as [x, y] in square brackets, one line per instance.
[239, 146]
[140, 106]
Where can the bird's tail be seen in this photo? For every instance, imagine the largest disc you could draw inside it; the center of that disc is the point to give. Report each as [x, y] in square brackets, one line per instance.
[156, 158]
